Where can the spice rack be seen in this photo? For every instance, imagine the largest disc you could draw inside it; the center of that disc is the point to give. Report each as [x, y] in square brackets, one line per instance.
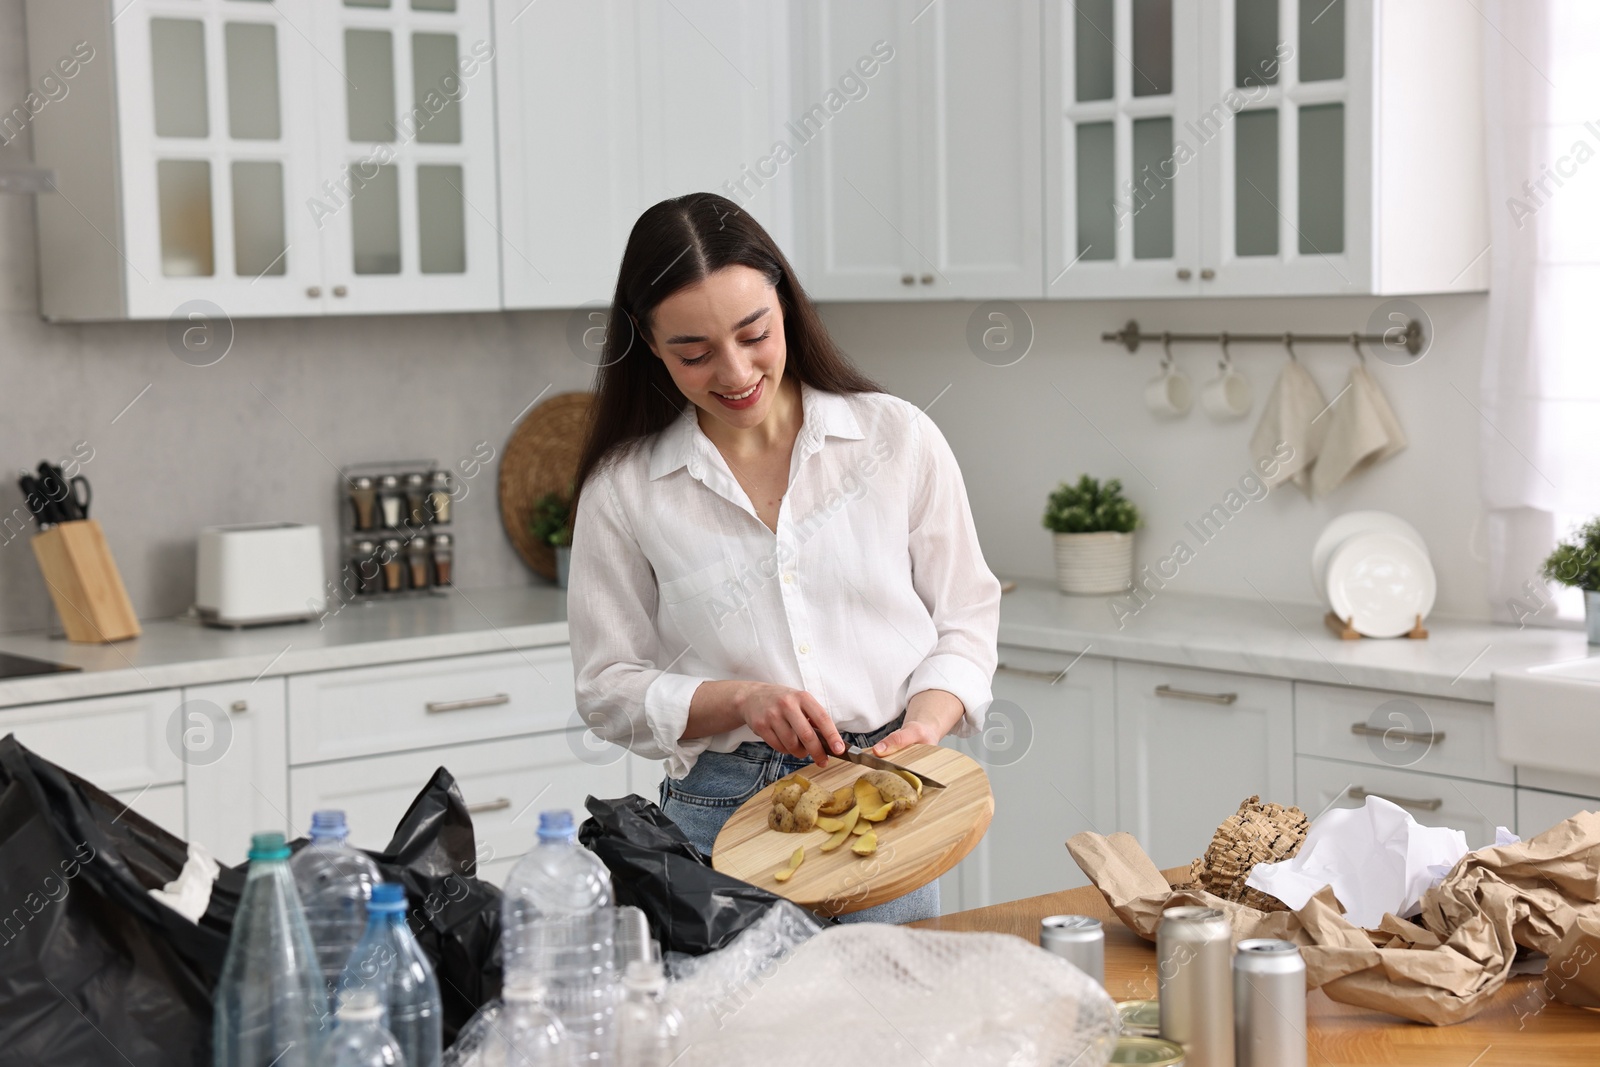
[397, 521]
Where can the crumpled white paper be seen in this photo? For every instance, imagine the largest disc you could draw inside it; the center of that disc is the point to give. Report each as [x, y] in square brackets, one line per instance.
[1376, 857]
[190, 893]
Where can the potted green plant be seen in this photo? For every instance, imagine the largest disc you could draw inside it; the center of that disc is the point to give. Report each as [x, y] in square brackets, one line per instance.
[1576, 562]
[1093, 525]
[550, 521]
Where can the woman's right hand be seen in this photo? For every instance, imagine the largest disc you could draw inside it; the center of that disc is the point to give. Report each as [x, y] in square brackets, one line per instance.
[790, 720]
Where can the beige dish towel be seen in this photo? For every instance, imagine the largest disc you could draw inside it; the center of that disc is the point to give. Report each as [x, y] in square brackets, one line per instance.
[1290, 418]
[1362, 430]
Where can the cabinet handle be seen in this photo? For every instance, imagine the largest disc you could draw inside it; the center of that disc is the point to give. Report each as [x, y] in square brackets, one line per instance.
[1190, 694]
[1184, 274]
[314, 291]
[1206, 274]
[437, 706]
[497, 804]
[1358, 793]
[239, 706]
[340, 290]
[1361, 729]
[906, 279]
[927, 279]
[1027, 672]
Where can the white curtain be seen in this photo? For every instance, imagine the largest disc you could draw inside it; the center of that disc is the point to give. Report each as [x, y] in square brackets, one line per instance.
[1540, 444]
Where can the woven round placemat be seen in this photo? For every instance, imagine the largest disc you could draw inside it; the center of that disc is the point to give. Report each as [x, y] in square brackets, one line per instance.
[541, 457]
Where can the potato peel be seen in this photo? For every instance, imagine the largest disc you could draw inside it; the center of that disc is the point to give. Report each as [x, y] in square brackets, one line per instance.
[916, 783]
[846, 827]
[866, 846]
[880, 814]
[794, 865]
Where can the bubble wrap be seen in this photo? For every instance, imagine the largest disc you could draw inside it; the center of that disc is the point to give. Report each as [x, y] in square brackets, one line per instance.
[871, 995]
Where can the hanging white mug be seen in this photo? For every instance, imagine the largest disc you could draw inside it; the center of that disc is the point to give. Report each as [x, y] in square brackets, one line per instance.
[1228, 395]
[1171, 394]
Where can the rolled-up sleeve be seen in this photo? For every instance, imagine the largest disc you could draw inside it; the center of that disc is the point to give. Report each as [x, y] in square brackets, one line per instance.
[955, 584]
[623, 693]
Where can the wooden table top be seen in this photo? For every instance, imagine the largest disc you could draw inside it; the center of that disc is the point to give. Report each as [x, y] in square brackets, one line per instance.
[1522, 1027]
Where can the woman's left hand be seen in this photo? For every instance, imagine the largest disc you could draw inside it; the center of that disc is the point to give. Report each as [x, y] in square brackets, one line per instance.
[930, 715]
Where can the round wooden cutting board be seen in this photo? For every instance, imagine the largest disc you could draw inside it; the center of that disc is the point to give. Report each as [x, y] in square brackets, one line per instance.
[914, 847]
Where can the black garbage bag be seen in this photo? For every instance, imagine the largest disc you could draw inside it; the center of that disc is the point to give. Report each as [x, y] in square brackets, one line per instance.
[454, 916]
[93, 970]
[691, 907]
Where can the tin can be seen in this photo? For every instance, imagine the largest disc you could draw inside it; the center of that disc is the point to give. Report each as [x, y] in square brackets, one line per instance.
[1152, 1051]
[1194, 979]
[1078, 939]
[1140, 1018]
[1269, 1003]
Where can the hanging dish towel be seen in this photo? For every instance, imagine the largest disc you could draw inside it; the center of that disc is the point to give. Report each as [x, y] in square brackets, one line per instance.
[1291, 419]
[1362, 431]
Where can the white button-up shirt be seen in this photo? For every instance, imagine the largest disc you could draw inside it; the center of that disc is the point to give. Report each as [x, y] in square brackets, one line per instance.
[872, 588]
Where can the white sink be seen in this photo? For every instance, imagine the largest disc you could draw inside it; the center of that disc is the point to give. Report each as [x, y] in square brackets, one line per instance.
[1549, 716]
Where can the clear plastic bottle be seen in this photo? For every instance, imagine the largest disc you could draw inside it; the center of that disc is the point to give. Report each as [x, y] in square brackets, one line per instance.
[270, 1002]
[361, 1040]
[335, 881]
[526, 1034]
[558, 931]
[389, 963]
[649, 1030]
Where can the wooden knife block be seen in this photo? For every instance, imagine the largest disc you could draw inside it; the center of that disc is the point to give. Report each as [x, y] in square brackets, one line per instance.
[84, 583]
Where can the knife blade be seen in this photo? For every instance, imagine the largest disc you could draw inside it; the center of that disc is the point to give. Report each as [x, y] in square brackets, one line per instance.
[867, 759]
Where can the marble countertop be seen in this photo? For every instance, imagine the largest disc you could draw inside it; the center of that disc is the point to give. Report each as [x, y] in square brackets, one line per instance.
[180, 652]
[1283, 640]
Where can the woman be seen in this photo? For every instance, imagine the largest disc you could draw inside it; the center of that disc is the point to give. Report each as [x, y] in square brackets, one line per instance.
[771, 558]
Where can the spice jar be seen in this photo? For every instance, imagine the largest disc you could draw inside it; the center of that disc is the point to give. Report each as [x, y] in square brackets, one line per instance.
[365, 566]
[391, 501]
[442, 559]
[416, 499]
[439, 496]
[394, 578]
[417, 553]
[364, 499]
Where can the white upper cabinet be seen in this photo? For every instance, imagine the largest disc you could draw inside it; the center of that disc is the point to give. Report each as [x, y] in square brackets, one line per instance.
[1263, 147]
[609, 107]
[918, 143]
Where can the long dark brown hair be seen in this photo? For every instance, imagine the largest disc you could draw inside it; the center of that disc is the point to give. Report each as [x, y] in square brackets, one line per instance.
[675, 244]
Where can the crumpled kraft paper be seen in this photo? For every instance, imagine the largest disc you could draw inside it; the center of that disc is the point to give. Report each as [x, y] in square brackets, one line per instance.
[1441, 969]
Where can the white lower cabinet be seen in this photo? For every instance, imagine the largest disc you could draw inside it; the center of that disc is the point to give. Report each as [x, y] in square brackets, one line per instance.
[1049, 748]
[161, 804]
[120, 743]
[1474, 808]
[238, 781]
[1191, 745]
[1538, 810]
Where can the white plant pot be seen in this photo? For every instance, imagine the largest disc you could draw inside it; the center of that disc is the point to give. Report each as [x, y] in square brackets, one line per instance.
[1090, 564]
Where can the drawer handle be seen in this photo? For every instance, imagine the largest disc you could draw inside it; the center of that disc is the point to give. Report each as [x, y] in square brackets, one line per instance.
[1358, 793]
[437, 706]
[1190, 694]
[497, 804]
[1361, 729]
[1027, 672]
[239, 706]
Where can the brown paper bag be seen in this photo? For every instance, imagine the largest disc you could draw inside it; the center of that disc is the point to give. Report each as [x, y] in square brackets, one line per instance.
[1441, 969]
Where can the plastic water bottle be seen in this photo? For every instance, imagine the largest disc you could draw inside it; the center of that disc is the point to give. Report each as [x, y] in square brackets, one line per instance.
[389, 963]
[557, 935]
[270, 1002]
[361, 1040]
[335, 881]
[527, 1034]
[649, 1029]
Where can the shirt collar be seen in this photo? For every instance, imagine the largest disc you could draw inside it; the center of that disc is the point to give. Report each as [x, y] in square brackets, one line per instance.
[684, 444]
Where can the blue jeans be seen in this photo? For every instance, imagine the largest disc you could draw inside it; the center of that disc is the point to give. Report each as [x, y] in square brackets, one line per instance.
[706, 798]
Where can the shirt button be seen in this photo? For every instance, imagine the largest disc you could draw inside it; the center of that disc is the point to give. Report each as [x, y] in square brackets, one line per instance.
[805, 650]
[788, 579]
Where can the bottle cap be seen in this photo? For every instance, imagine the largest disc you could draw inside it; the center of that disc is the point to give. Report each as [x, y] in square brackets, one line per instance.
[329, 823]
[268, 847]
[523, 993]
[387, 896]
[360, 1005]
[645, 975]
[557, 826]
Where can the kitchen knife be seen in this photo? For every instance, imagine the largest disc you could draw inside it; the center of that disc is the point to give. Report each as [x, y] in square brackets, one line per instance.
[867, 759]
[38, 501]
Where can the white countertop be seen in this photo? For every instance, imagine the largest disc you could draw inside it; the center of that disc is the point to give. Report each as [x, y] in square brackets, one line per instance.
[180, 652]
[1218, 633]
[1283, 640]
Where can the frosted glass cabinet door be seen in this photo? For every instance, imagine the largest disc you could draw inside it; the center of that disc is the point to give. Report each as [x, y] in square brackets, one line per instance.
[1122, 177]
[405, 202]
[218, 145]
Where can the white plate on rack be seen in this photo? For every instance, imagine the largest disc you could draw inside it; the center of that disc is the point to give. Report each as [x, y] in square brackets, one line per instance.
[1380, 583]
[1348, 525]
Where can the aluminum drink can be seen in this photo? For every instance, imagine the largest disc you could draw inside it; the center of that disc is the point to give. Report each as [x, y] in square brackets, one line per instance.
[1269, 1003]
[1194, 977]
[1078, 939]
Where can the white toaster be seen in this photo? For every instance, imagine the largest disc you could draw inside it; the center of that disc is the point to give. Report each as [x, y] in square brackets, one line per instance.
[260, 573]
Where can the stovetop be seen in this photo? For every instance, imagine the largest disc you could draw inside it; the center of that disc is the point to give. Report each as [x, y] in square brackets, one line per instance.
[21, 666]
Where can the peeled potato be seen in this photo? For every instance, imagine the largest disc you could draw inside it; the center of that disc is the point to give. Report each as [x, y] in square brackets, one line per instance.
[866, 846]
[894, 789]
[794, 865]
[846, 827]
[805, 810]
[842, 800]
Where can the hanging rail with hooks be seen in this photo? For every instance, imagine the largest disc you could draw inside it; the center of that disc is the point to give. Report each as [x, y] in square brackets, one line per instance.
[1410, 338]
